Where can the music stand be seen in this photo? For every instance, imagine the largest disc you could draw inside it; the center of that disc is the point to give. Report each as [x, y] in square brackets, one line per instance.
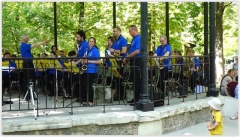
[57, 66]
[73, 69]
[19, 63]
[37, 66]
[44, 64]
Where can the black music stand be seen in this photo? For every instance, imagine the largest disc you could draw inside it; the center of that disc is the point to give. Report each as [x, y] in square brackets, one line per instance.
[73, 69]
[57, 66]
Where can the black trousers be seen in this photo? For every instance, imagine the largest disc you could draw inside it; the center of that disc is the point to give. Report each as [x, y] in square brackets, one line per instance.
[89, 78]
[193, 81]
[80, 84]
[164, 74]
[136, 77]
[5, 81]
[29, 75]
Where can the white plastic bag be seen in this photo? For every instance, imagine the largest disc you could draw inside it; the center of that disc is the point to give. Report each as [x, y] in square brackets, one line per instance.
[107, 93]
[199, 89]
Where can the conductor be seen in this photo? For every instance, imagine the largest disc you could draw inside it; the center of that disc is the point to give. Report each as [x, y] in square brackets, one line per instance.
[28, 67]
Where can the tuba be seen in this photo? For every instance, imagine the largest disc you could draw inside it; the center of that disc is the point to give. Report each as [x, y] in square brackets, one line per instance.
[188, 62]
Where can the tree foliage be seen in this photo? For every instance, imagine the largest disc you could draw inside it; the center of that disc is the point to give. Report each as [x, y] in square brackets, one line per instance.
[95, 18]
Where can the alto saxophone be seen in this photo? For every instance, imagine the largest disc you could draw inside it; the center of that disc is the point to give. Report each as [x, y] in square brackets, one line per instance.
[84, 66]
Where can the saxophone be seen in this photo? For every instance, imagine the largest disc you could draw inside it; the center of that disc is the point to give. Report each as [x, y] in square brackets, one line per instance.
[84, 66]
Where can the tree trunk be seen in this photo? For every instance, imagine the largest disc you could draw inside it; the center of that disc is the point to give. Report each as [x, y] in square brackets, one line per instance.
[149, 31]
[81, 15]
[219, 41]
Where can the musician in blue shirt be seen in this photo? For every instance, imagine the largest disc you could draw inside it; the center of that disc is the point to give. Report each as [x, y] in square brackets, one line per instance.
[82, 49]
[25, 50]
[120, 43]
[119, 48]
[195, 69]
[110, 42]
[163, 50]
[92, 62]
[178, 65]
[82, 43]
[8, 73]
[135, 63]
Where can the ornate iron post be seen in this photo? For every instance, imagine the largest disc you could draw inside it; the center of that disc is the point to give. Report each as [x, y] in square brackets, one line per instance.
[144, 103]
[212, 86]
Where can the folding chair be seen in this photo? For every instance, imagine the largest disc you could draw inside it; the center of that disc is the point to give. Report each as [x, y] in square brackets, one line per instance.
[127, 83]
[97, 86]
[174, 81]
[155, 80]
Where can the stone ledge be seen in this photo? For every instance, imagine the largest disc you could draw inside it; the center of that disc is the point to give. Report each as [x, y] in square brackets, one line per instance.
[29, 124]
[111, 118]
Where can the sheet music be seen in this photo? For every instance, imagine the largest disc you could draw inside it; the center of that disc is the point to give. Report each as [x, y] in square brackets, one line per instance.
[108, 53]
[158, 64]
[8, 69]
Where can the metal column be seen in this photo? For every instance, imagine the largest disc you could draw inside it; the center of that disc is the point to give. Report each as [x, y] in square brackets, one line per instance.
[212, 86]
[144, 103]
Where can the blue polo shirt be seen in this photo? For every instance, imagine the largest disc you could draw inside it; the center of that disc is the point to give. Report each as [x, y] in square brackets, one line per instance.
[25, 50]
[135, 45]
[196, 64]
[93, 54]
[161, 50]
[119, 43]
[52, 71]
[107, 60]
[83, 46]
[12, 65]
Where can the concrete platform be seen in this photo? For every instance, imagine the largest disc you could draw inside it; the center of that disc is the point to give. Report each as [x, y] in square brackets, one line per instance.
[46, 104]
